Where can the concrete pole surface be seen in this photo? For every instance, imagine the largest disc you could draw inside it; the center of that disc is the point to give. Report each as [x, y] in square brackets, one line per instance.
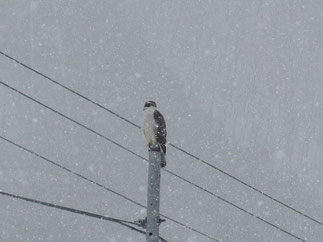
[153, 195]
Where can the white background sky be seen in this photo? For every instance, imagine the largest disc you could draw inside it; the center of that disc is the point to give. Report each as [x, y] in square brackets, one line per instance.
[239, 83]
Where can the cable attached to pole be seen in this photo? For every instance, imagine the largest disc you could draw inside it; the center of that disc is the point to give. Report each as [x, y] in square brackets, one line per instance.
[81, 212]
[73, 210]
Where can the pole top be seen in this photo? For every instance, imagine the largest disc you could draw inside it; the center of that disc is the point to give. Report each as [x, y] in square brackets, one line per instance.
[154, 147]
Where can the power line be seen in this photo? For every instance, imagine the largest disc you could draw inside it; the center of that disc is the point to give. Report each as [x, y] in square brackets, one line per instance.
[102, 186]
[240, 208]
[246, 184]
[77, 211]
[72, 172]
[69, 89]
[179, 177]
[72, 120]
[73, 210]
[174, 146]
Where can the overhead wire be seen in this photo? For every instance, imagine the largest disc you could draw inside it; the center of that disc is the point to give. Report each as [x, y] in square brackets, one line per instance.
[73, 210]
[67, 88]
[173, 145]
[172, 173]
[78, 211]
[102, 186]
[71, 171]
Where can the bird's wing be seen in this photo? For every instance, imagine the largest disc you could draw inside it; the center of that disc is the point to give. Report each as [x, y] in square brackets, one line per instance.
[160, 128]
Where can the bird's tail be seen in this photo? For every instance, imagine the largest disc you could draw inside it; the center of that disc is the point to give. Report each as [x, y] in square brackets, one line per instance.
[163, 151]
[163, 147]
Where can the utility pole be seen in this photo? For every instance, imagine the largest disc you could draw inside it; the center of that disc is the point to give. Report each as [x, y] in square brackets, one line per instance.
[153, 194]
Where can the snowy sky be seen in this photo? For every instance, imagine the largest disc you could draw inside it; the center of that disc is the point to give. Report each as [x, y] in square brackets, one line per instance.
[240, 86]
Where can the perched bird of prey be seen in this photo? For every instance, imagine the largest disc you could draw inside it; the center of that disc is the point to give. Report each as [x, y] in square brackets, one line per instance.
[154, 128]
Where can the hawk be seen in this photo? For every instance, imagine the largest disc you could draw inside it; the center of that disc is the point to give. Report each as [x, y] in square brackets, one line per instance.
[154, 128]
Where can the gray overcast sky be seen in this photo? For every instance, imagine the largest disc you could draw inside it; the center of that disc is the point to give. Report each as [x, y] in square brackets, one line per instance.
[239, 83]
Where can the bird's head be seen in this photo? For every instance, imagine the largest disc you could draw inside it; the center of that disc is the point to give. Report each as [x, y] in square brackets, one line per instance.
[150, 104]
